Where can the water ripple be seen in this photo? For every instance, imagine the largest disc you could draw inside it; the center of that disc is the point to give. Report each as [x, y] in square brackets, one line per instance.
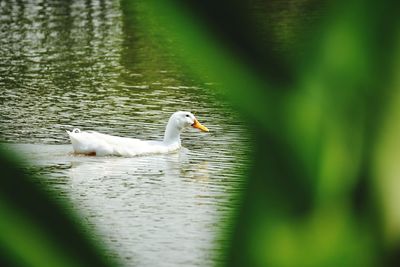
[72, 64]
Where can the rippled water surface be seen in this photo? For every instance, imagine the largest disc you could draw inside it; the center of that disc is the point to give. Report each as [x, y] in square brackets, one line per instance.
[84, 64]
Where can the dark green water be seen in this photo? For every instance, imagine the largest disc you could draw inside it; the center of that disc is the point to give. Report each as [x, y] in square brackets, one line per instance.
[84, 64]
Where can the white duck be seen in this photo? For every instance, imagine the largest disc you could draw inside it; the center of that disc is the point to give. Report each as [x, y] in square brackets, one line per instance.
[95, 143]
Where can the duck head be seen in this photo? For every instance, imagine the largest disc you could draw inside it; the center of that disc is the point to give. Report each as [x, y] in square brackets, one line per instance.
[185, 119]
[179, 121]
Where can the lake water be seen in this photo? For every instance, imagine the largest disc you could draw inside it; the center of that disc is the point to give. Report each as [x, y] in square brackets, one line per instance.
[84, 64]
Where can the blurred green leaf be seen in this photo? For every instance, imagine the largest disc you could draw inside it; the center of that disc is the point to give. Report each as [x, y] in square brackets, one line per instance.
[37, 231]
[313, 197]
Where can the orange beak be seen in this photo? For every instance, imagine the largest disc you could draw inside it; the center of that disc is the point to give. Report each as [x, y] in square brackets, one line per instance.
[198, 125]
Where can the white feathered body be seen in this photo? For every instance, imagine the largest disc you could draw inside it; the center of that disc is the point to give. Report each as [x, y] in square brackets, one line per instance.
[95, 143]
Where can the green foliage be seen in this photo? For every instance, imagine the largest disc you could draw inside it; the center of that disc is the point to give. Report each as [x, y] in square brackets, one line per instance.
[36, 231]
[322, 190]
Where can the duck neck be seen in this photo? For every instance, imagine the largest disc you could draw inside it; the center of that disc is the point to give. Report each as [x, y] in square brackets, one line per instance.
[172, 134]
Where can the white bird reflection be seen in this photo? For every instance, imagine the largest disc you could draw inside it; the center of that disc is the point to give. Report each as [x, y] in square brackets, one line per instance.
[86, 169]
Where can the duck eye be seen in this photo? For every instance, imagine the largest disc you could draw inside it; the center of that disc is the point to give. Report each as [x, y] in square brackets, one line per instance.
[187, 115]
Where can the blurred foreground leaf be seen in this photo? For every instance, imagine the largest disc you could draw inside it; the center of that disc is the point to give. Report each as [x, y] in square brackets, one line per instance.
[37, 231]
[322, 189]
